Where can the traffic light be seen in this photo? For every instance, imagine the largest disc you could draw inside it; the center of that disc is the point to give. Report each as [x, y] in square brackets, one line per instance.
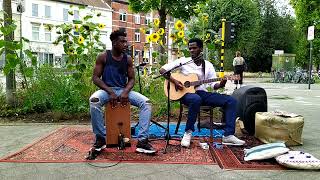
[230, 33]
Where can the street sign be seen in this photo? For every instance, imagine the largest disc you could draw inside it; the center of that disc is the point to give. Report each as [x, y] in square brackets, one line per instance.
[278, 52]
[310, 33]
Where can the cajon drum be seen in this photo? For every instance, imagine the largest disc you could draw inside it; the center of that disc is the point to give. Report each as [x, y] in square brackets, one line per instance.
[117, 121]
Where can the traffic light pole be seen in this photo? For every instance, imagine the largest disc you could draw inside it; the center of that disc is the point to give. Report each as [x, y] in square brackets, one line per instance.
[223, 32]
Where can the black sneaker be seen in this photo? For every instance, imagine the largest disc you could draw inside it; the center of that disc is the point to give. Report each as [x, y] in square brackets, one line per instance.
[99, 145]
[96, 149]
[144, 146]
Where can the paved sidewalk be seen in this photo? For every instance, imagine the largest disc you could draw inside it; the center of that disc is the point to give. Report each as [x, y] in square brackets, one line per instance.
[294, 98]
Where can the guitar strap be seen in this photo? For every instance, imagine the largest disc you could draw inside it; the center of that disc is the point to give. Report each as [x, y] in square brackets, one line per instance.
[204, 69]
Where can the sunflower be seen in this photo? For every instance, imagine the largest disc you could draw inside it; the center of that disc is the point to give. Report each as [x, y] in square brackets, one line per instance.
[156, 22]
[161, 43]
[181, 34]
[80, 40]
[155, 37]
[148, 39]
[76, 27]
[161, 31]
[173, 37]
[179, 25]
[185, 42]
[70, 51]
[102, 26]
[142, 30]
[205, 17]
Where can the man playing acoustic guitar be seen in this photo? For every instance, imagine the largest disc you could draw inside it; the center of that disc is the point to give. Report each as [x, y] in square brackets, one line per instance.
[204, 70]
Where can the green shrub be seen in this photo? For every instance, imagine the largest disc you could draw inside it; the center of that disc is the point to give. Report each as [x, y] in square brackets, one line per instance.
[55, 91]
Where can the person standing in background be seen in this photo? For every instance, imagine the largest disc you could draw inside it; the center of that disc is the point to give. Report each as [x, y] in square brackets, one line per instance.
[239, 66]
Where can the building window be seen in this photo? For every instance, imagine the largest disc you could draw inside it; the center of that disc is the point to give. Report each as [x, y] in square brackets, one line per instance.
[45, 58]
[137, 35]
[64, 60]
[122, 29]
[65, 14]
[76, 15]
[123, 15]
[47, 12]
[35, 32]
[47, 34]
[137, 18]
[35, 10]
[148, 19]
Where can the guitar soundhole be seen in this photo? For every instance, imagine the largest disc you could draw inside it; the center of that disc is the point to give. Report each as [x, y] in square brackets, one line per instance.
[187, 84]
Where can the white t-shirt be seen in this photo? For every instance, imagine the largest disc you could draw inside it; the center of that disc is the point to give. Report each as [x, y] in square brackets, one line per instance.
[238, 61]
[192, 68]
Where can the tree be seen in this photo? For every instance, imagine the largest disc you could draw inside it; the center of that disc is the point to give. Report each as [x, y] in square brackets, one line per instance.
[245, 15]
[182, 9]
[176, 8]
[10, 77]
[276, 32]
[307, 14]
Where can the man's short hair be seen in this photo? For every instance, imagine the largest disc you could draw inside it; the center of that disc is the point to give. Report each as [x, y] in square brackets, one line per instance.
[198, 41]
[115, 34]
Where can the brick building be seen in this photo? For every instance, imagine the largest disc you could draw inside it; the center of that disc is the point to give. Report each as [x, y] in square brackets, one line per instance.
[123, 18]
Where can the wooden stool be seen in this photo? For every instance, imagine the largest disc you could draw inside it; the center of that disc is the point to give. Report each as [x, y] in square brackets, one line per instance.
[117, 120]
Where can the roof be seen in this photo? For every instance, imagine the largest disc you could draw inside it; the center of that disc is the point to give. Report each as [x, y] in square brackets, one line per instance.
[94, 3]
[116, 1]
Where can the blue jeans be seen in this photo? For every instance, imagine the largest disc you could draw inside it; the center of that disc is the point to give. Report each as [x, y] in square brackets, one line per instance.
[136, 99]
[195, 100]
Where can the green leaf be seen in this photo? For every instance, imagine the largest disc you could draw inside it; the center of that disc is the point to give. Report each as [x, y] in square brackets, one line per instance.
[77, 21]
[82, 7]
[28, 71]
[25, 39]
[155, 54]
[211, 46]
[87, 17]
[76, 76]
[70, 12]
[2, 43]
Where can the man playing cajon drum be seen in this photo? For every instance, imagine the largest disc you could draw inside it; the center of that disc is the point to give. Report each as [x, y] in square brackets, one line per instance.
[114, 75]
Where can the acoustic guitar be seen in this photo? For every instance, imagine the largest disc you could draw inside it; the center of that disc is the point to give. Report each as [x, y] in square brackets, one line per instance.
[189, 82]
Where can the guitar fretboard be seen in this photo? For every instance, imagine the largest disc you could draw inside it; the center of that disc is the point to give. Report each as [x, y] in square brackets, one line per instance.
[197, 83]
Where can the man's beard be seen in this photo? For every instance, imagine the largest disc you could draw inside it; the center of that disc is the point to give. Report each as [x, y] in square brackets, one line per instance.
[198, 58]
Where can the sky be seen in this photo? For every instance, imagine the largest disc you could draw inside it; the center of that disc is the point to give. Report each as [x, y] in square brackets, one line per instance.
[285, 3]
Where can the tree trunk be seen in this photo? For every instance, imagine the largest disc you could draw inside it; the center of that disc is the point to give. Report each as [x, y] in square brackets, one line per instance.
[10, 77]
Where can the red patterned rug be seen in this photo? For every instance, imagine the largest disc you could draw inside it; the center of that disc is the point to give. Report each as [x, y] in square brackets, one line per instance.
[71, 144]
[231, 157]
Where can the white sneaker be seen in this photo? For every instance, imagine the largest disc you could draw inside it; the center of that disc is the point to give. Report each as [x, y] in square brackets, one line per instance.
[185, 142]
[232, 140]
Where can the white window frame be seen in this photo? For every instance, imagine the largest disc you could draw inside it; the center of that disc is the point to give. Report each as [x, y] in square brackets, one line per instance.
[148, 19]
[44, 58]
[122, 15]
[137, 36]
[137, 19]
[46, 33]
[33, 32]
[76, 15]
[35, 10]
[47, 11]
[65, 15]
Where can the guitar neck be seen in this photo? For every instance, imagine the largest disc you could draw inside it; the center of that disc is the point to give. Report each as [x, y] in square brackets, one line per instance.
[198, 83]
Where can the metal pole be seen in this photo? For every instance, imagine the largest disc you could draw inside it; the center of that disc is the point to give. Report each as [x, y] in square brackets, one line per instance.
[222, 48]
[310, 66]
